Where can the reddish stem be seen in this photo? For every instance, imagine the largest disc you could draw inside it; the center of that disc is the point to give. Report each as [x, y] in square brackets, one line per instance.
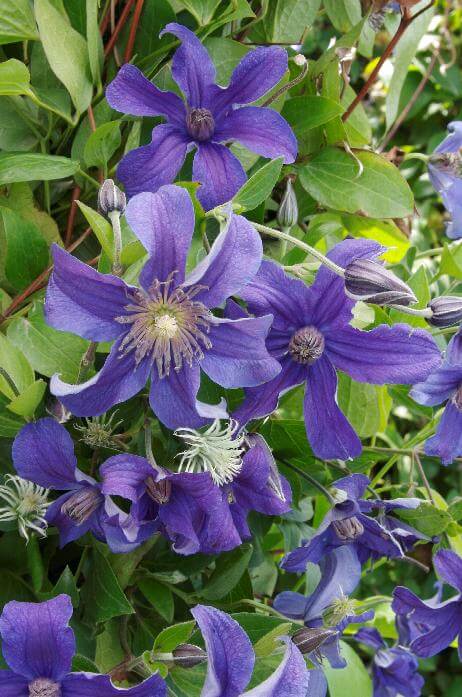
[133, 29]
[76, 191]
[91, 118]
[119, 26]
[106, 19]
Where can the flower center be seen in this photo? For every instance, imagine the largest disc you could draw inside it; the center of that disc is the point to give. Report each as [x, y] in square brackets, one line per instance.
[348, 528]
[24, 502]
[200, 124]
[42, 687]
[457, 398]
[168, 325]
[448, 162]
[216, 450]
[306, 345]
[81, 505]
[339, 609]
[159, 491]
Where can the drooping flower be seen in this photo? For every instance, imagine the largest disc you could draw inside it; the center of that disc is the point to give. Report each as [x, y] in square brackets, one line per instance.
[445, 383]
[231, 660]
[329, 606]
[25, 504]
[394, 670]
[311, 337]
[445, 170]
[38, 646]
[210, 117]
[203, 509]
[441, 622]
[164, 330]
[350, 523]
[43, 452]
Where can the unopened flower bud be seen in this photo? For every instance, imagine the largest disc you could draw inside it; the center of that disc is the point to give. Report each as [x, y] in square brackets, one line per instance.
[159, 491]
[188, 655]
[288, 210]
[371, 282]
[310, 639]
[111, 198]
[58, 411]
[447, 311]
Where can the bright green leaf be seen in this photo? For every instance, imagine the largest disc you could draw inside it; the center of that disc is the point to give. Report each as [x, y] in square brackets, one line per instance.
[102, 594]
[14, 78]
[17, 21]
[22, 267]
[102, 144]
[26, 167]
[259, 186]
[229, 569]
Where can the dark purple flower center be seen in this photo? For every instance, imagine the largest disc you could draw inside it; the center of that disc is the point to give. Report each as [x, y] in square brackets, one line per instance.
[159, 491]
[200, 124]
[348, 528]
[81, 505]
[306, 345]
[167, 325]
[457, 398]
[43, 687]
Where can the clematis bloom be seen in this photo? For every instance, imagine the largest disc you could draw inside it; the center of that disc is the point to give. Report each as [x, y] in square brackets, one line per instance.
[445, 170]
[311, 337]
[38, 645]
[164, 330]
[211, 116]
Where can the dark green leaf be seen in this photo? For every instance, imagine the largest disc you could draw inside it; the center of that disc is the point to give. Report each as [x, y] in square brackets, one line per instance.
[228, 572]
[22, 167]
[102, 594]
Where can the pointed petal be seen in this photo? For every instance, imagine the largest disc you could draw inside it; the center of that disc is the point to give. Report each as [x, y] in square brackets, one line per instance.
[83, 301]
[290, 679]
[398, 354]
[174, 401]
[447, 442]
[118, 380]
[219, 172]
[12, 685]
[312, 551]
[230, 653]
[164, 223]
[123, 475]
[438, 386]
[261, 130]
[192, 67]
[37, 641]
[340, 574]
[448, 566]
[291, 604]
[355, 485]
[151, 166]
[370, 637]
[232, 262]
[238, 357]
[43, 452]
[263, 400]
[330, 434]
[92, 685]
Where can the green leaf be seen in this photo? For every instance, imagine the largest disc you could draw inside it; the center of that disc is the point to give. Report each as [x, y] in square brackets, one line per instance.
[35, 563]
[26, 167]
[101, 227]
[102, 144]
[9, 423]
[159, 596]
[102, 594]
[427, 519]
[257, 626]
[94, 41]
[14, 78]
[360, 403]
[343, 14]
[17, 21]
[354, 675]
[170, 638]
[27, 402]
[455, 508]
[22, 236]
[14, 362]
[259, 186]
[287, 438]
[288, 20]
[451, 260]
[66, 51]
[201, 10]
[47, 350]
[229, 569]
[66, 584]
[333, 178]
[270, 642]
[307, 112]
[82, 664]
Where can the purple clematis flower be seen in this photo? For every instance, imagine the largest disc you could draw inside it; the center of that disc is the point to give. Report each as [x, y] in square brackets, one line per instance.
[204, 511]
[43, 452]
[445, 170]
[38, 646]
[441, 622]
[211, 116]
[165, 330]
[394, 670]
[349, 523]
[231, 660]
[311, 337]
[328, 605]
[445, 383]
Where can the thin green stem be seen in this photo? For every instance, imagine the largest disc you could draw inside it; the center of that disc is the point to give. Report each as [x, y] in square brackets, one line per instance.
[114, 217]
[43, 105]
[416, 156]
[415, 312]
[89, 179]
[325, 492]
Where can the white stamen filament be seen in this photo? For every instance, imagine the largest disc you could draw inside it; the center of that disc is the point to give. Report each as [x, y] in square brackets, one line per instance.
[217, 451]
[26, 503]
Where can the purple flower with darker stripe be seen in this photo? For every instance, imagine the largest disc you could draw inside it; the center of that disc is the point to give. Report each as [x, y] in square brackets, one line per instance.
[164, 330]
[43, 452]
[445, 383]
[211, 116]
[231, 660]
[204, 509]
[394, 670]
[445, 171]
[440, 622]
[311, 337]
[38, 646]
[350, 523]
[329, 606]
